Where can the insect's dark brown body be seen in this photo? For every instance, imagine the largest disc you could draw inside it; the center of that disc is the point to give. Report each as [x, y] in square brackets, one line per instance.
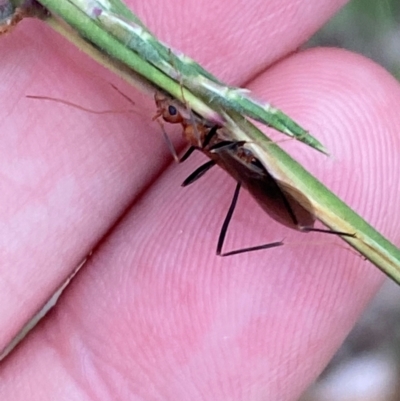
[273, 199]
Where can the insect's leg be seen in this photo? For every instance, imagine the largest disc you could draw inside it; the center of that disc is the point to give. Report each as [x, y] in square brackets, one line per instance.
[169, 143]
[199, 172]
[224, 230]
[210, 135]
[187, 154]
[228, 217]
[287, 206]
[253, 248]
[307, 229]
[226, 144]
[327, 231]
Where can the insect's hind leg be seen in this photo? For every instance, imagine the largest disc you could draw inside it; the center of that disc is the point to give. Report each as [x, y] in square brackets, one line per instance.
[305, 228]
[199, 172]
[224, 230]
[326, 231]
[187, 154]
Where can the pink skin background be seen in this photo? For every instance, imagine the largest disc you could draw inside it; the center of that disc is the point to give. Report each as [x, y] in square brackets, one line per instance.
[154, 314]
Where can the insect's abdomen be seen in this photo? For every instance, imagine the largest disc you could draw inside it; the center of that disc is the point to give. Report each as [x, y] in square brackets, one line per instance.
[274, 200]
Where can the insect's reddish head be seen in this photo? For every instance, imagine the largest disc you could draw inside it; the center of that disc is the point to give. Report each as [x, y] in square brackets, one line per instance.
[167, 110]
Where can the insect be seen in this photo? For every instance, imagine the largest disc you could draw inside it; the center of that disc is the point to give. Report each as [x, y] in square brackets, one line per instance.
[194, 129]
[10, 16]
[283, 204]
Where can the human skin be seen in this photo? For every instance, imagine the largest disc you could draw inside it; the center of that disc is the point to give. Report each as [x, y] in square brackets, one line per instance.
[154, 314]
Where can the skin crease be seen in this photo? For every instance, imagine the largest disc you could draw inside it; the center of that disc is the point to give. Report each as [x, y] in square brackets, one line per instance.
[154, 314]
